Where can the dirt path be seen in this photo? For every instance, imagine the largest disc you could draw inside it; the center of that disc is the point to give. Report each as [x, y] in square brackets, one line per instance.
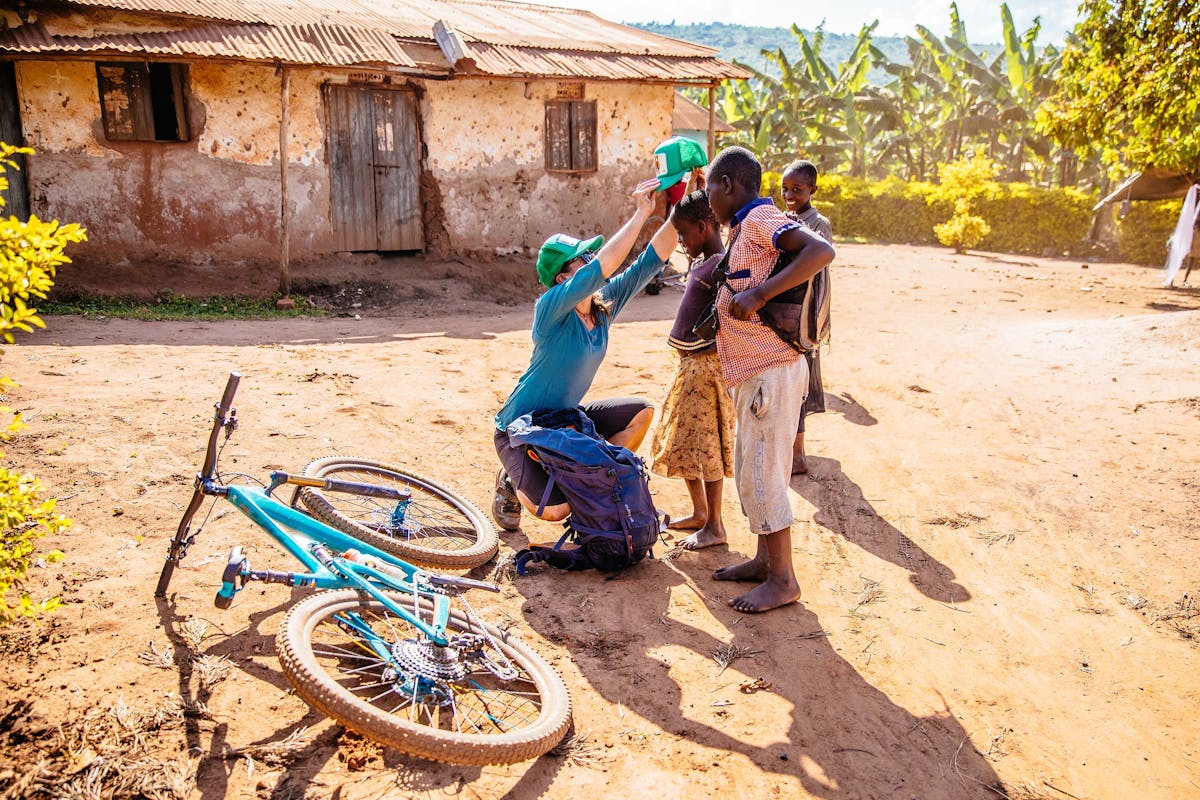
[997, 546]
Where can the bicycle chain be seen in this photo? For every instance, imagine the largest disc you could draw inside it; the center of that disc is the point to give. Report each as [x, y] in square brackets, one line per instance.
[510, 672]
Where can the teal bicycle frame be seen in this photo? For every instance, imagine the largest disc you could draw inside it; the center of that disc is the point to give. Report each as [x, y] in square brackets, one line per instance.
[310, 542]
[315, 545]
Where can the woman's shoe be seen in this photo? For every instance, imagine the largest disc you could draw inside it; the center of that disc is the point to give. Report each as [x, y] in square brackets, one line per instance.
[506, 508]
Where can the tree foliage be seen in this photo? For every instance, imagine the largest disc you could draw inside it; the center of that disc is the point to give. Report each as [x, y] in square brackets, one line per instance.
[948, 100]
[1130, 81]
[30, 254]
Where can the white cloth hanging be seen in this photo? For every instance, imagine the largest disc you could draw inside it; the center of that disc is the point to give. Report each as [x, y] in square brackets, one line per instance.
[1180, 243]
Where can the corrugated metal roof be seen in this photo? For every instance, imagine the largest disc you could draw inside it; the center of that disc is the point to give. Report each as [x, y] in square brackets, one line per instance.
[299, 44]
[491, 21]
[691, 116]
[509, 61]
[506, 38]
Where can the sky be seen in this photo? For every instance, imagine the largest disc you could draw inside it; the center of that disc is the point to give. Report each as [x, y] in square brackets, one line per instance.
[981, 17]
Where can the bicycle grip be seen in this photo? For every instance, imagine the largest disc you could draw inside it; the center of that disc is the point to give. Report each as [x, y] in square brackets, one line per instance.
[230, 389]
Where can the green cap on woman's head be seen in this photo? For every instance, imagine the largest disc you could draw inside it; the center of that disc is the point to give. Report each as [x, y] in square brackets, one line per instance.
[676, 157]
[558, 250]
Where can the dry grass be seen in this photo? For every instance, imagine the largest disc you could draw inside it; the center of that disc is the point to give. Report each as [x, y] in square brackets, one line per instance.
[1184, 616]
[727, 653]
[159, 659]
[961, 519]
[193, 633]
[869, 591]
[211, 670]
[997, 537]
[576, 749]
[273, 754]
[103, 755]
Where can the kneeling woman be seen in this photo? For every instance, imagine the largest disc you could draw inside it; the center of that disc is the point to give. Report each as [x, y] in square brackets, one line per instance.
[570, 338]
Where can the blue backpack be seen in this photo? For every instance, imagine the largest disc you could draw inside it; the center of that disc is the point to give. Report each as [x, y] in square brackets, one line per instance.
[613, 520]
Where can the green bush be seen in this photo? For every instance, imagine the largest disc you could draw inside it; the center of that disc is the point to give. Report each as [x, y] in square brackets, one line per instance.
[1022, 218]
[1142, 236]
[1035, 220]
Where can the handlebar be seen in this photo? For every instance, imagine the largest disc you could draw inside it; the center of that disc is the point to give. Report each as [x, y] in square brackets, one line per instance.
[225, 416]
[225, 419]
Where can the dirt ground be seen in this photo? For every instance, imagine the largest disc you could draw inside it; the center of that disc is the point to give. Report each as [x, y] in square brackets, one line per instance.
[998, 547]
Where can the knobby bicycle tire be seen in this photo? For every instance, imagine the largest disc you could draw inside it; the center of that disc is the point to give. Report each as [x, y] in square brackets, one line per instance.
[442, 529]
[333, 668]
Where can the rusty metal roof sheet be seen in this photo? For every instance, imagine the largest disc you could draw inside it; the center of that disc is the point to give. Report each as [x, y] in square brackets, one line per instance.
[511, 61]
[691, 116]
[506, 38]
[299, 44]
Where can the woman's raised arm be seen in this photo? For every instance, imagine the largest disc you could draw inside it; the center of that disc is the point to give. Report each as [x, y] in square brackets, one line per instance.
[614, 251]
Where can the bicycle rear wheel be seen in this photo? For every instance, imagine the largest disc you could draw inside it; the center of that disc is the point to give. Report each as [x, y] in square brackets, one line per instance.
[372, 671]
[438, 528]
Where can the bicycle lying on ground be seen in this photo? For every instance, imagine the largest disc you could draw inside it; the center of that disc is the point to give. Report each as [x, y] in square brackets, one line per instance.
[388, 649]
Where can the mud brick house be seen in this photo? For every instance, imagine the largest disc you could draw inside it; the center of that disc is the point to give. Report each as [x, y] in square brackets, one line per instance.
[440, 126]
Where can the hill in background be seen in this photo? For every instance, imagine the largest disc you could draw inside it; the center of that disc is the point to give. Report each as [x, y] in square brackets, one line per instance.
[746, 43]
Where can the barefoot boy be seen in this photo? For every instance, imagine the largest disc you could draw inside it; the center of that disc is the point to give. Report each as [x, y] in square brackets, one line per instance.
[767, 377]
[799, 185]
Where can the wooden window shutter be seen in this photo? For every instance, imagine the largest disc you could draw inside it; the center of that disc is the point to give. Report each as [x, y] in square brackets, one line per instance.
[558, 135]
[571, 135]
[177, 95]
[125, 101]
[583, 136]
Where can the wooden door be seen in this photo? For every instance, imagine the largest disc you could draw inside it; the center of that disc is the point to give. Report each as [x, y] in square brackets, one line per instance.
[16, 196]
[374, 166]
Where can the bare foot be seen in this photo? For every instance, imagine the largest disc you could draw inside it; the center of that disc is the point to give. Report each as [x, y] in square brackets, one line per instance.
[799, 465]
[771, 593]
[705, 537]
[687, 523]
[749, 570]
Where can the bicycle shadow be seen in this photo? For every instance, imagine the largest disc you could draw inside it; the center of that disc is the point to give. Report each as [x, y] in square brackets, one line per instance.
[196, 693]
[818, 716]
[844, 510]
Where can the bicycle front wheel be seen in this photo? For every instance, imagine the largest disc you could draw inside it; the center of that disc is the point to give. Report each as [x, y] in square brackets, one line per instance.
[437, 528]
[486, 698]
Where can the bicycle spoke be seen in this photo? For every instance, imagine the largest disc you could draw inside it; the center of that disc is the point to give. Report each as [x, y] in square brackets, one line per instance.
[480, 704]
[428, 518]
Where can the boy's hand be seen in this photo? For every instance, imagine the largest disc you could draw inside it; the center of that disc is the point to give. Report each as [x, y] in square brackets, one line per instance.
[643, 195]
[745, 303]
[696, 182]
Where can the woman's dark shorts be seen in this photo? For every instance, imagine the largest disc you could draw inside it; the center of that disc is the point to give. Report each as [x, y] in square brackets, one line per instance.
[610, 416]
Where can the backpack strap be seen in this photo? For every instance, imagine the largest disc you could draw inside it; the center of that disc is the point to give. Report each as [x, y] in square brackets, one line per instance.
[570, 560]
[546, 494]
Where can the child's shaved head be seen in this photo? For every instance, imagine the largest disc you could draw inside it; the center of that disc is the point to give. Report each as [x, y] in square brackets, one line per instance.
[804, 169]
[741, 167]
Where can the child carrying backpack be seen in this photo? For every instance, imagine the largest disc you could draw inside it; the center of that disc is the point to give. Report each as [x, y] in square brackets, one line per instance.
[613, 519]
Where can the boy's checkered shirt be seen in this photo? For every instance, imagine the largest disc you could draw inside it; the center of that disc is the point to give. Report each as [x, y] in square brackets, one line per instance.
[748, 347]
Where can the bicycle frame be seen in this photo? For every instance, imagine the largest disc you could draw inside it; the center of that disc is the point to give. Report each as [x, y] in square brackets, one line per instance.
[309, 541]
[314, 544]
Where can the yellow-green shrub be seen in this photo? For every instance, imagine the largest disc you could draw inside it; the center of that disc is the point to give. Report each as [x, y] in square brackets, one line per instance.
[1035, 220]
[962, 231]
[1142, 236]
[30, 253]
[1022, 218]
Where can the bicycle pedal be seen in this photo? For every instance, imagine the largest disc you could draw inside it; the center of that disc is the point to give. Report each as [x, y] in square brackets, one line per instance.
[232, 579]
